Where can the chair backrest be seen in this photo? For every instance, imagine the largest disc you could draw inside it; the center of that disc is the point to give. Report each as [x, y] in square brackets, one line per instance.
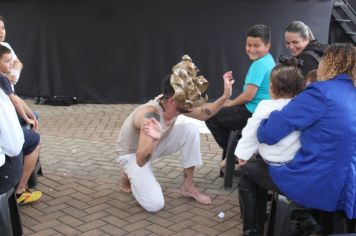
[10, 220]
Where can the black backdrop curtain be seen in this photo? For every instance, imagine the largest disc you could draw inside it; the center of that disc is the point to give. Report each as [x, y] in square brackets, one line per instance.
[111, 51]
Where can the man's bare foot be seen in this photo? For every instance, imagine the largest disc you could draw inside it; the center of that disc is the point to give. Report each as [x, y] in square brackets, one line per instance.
[197, 195]
[124, 182]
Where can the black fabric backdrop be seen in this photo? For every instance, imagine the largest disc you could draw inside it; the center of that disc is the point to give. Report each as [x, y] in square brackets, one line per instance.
[111, 51]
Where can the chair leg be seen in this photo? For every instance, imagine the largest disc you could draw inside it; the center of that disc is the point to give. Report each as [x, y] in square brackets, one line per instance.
[282, 216]
[223, 158]
[351, 225]
[15, 216]
[272, 218]
[5, 219]
[339, 222]
[10, 220]
[230, 158]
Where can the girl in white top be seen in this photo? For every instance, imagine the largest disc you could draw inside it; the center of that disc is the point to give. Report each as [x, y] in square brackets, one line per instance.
[17, 64]
[285, 83]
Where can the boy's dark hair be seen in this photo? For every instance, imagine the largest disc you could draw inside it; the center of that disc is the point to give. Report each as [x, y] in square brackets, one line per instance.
[4, 50]
[167, 89]
[311, 76]
[260, 31]
[286, 79]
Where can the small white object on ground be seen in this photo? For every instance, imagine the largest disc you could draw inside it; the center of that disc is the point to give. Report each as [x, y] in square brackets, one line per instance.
[221, 215]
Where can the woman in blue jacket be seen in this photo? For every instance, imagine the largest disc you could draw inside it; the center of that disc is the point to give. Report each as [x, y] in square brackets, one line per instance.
[323, 173]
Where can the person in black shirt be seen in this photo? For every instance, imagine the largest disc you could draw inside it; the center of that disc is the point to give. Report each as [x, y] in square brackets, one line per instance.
[301, 43]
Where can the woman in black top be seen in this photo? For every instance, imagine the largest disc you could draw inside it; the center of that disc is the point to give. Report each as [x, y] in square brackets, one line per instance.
[301, 43]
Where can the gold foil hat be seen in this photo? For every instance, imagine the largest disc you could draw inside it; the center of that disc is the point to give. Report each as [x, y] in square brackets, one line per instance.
[187, 86]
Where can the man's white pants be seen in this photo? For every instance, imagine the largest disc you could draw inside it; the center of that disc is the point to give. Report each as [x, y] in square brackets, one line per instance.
[145, 188]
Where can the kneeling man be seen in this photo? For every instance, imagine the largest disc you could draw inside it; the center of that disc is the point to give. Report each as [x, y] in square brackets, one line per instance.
[150, 132]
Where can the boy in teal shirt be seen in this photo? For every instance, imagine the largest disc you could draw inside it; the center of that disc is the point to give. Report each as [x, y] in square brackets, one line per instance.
[236, 112]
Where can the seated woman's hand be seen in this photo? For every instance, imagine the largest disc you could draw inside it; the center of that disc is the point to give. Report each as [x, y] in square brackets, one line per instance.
[35, 126]
[13, 79]
[242, 162]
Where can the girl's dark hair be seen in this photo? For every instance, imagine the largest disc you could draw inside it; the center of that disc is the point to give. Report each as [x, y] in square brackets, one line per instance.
[2, 19]
[4, 50]
[312, 76]
[290, 61]
[260, 31]
[286, 79]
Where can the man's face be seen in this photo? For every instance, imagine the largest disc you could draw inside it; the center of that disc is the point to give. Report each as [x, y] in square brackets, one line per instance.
[5, 63]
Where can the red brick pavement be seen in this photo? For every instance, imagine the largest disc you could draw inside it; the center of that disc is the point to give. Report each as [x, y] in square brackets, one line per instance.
[80, 188]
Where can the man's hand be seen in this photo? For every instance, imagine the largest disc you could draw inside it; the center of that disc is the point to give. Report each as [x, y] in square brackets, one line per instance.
[152, 128]
[242, 162]
[14, 75]
[35, 126]
[31, 122]
[228, 82]
[13, 79]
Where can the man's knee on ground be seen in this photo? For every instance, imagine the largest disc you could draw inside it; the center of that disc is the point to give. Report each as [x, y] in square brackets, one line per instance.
[154, 205]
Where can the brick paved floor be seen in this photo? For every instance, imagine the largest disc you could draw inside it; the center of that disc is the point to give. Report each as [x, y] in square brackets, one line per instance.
[80, 188]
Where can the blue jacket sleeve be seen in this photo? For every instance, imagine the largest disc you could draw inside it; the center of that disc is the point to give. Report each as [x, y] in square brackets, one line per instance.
[301, 112]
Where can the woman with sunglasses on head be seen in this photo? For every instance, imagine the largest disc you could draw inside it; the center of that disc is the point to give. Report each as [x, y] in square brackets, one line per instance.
[301, 43]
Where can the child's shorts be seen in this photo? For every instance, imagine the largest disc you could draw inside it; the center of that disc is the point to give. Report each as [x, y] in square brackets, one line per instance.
[32, 139]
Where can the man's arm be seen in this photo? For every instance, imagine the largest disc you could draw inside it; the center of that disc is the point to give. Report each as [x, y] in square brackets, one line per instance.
[17, 102]
[15, 72]
[29, 113]
[244, 97]
[147, 121]
[209, 109]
